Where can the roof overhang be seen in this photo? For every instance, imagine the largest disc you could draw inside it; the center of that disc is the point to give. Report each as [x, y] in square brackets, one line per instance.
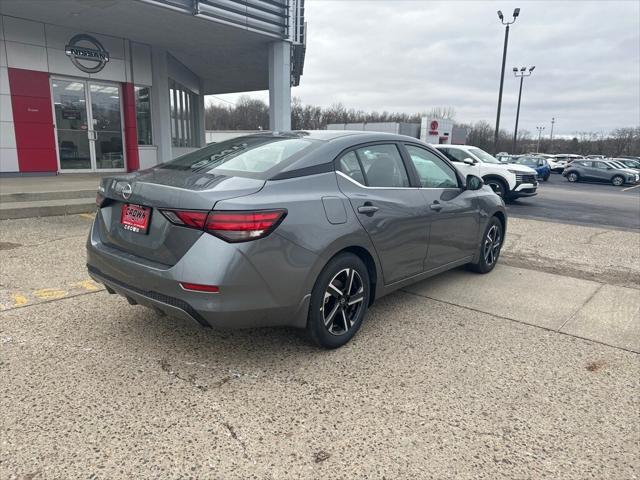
[226, 56]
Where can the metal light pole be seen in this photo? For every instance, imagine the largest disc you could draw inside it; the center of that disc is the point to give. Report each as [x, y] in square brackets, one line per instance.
[553, 120]
[516, 12]
[540, 129]
[519, 73]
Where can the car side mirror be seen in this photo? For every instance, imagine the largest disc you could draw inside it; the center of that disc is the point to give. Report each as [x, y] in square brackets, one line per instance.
[540, 163]
[469, 161]
[474, 183]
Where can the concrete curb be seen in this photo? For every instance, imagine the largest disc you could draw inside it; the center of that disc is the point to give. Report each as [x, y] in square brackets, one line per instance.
[48, 208]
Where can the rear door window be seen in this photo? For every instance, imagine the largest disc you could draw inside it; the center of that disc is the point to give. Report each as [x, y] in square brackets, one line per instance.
[383, 166]
[350, 166]
[375, 166]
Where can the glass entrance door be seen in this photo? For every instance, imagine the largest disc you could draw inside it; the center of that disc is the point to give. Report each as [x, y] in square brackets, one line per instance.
[88, 120]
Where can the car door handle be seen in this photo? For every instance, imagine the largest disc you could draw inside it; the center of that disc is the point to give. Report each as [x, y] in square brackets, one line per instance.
[435, 206]
[368, 209]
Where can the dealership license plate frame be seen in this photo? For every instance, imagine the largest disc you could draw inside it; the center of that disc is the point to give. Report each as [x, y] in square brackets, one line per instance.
[132, 224]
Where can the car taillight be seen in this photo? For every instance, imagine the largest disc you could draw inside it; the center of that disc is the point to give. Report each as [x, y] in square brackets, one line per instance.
[230, 225]
[187, 218]
[240, 226]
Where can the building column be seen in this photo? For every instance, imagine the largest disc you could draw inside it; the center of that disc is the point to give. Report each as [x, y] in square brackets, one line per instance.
[160, 106]
[200, 124]
[280, 86]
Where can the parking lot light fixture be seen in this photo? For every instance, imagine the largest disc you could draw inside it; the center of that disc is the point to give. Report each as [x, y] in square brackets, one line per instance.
[516, 13]
[521, 74]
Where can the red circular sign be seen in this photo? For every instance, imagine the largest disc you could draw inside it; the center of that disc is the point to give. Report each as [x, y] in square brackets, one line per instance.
[434, 125]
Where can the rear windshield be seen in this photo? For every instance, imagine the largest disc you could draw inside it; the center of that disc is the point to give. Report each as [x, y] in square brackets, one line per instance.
[256, 157]
[529, 161]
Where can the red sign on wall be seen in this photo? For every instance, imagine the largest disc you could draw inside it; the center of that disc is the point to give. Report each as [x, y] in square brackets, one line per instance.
[434, 125]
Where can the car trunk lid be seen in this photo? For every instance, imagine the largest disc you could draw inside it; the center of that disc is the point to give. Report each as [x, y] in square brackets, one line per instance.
[159, 189]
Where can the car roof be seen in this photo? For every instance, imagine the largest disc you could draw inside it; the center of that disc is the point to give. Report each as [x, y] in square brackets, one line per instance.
[329, 135]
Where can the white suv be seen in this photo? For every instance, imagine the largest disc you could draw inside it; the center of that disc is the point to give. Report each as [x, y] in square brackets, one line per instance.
[509, 181]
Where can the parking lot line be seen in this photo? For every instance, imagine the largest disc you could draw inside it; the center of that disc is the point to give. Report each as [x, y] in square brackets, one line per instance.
[630, 188]
[10, 300]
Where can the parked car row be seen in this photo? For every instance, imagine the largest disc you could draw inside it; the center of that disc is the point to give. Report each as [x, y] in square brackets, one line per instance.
[618, 171]
[612, 170]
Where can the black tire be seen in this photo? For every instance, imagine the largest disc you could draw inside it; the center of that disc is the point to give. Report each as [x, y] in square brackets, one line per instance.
[486, 263]
[573, 177]
[617, 180]
[546, 177]
[498, 186]
[345, 320]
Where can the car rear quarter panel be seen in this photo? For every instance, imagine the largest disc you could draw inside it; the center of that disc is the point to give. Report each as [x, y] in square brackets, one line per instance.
[307, 226]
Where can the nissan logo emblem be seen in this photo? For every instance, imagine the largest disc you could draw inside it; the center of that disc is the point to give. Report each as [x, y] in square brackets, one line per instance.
[86, 53]
[126, 191]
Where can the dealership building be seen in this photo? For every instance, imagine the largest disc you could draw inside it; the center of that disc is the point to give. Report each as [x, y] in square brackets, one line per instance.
[119, 85]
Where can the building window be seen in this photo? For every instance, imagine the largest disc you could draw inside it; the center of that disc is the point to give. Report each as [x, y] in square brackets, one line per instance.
[183, 116]
[143, 115]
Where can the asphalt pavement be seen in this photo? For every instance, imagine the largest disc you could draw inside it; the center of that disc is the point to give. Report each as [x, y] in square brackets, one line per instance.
[502, 376]
[596, 204]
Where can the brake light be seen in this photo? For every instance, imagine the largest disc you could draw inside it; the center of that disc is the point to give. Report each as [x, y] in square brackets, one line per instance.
[240, 226]
[232, 225]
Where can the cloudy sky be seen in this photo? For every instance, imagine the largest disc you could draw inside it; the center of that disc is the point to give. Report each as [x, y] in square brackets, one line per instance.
[412, 56]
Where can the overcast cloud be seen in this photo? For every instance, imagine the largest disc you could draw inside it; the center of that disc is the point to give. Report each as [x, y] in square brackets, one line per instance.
[410, 56]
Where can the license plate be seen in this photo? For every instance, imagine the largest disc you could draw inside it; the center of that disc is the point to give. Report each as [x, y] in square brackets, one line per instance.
[135, 218]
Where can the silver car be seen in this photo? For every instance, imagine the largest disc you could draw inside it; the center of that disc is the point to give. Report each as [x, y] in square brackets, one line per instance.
[304, 229]
[600, 170]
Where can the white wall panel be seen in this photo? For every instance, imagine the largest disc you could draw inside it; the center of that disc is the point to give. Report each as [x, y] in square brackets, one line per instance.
[6, 112]
[3, 54]
[141, 64]
[4, 81]
[60, 64]
[7, 135]
[9, 160]
[114, 71]
[24, 31]
[29, 57]
[58, 37]
[148, 156]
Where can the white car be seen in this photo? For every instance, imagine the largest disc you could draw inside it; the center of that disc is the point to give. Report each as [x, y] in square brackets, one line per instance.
[559, 162]
[509, 181]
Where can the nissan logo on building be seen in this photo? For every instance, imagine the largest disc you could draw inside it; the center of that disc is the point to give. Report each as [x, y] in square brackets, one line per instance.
[86, 53]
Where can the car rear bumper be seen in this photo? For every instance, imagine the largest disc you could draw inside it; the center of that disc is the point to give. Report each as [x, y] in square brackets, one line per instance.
[250, 295]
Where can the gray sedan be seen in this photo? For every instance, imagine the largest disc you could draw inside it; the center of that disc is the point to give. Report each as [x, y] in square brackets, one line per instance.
[304, 229]
[600, 170]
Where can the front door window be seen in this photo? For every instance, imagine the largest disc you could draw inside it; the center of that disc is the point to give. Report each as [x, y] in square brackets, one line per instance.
[88, 122]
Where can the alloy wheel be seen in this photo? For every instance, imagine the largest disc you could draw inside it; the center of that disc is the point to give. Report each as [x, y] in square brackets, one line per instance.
[618, 181]
[492, 243]
[343, 300]
[572, 177]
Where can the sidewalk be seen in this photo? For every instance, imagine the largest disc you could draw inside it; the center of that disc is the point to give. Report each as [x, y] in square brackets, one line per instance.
[603, 313]
[42, 196]
[50, 183]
